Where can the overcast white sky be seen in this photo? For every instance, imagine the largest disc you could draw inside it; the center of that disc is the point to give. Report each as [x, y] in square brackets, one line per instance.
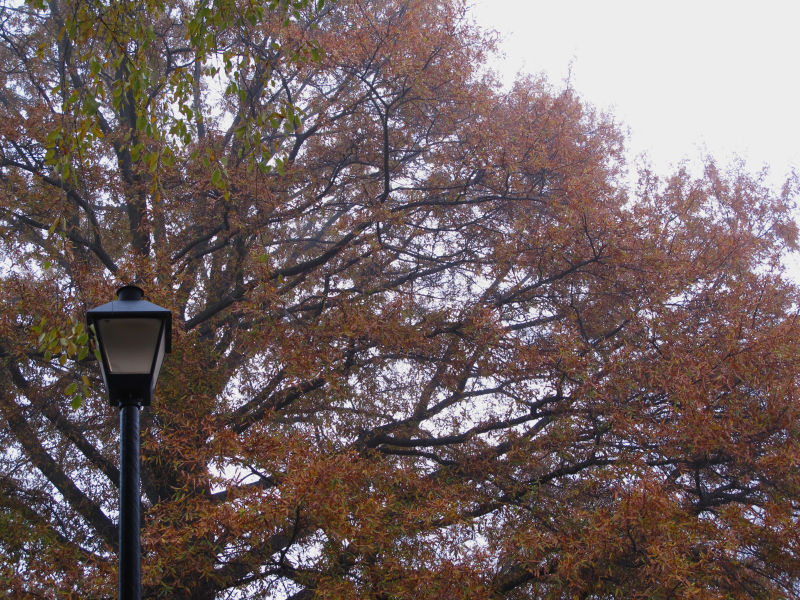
[687, 77]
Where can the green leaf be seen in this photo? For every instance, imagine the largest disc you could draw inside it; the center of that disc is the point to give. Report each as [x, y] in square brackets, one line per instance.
[71, 389]
[77, 401]
[90, 105]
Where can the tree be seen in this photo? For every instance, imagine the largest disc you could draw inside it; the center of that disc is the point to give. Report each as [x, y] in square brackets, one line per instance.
[427, 343]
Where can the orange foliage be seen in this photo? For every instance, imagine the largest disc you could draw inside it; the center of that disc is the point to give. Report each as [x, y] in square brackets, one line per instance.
[427, 344]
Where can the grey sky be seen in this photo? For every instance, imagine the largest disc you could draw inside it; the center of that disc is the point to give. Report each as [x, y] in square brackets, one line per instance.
[686, 76]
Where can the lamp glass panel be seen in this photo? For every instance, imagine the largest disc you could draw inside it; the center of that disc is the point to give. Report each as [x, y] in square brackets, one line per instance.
[130, 344]
[160, 357]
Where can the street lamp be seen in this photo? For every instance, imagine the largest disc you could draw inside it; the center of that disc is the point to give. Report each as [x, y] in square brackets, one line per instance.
[132, 336]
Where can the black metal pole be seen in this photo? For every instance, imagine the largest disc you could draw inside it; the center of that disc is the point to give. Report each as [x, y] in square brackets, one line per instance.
[130, 574]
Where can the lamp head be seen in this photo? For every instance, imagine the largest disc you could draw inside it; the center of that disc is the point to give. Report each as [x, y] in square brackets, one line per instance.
[132, 335]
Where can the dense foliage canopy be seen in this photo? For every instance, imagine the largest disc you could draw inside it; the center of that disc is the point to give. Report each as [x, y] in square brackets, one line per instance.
[427, 343]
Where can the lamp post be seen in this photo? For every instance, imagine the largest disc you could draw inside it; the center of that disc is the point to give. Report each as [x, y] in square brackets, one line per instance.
[132, 336]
